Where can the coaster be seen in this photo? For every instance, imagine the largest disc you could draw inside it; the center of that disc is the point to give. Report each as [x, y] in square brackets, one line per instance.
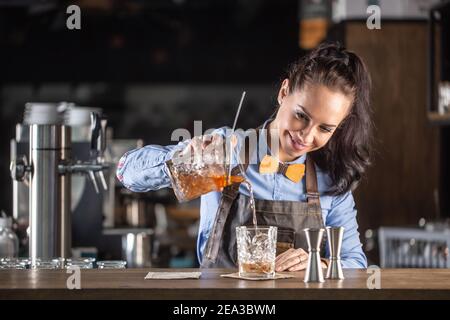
[173, 275]
[235, 275]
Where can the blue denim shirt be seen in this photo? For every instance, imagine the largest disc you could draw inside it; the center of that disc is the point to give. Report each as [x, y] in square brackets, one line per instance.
[144, 169]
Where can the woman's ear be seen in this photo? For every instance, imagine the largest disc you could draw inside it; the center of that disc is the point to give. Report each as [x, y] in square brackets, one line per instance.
[284, 91]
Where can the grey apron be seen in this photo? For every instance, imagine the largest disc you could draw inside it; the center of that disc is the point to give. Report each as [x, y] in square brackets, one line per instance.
[290, 217]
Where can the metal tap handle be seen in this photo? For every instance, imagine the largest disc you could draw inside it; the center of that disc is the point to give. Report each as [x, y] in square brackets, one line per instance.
[19, 168]
[102, 149]
[91, 176]
[102, 180]
[95, 134]
[93, 170]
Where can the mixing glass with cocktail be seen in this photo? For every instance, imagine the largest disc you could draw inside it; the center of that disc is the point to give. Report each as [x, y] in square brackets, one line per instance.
[204, 165]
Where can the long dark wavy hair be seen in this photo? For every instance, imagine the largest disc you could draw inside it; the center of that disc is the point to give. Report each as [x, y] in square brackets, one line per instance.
[347, 154]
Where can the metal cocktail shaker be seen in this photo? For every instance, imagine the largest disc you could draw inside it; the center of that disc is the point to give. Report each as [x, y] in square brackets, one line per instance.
[314, 271]
[334, 236]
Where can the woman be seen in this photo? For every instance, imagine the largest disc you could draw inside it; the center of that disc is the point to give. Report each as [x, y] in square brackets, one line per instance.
[322, 122]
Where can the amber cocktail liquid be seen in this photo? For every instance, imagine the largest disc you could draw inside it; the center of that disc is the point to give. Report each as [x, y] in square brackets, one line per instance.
[256, 251]
[257, 267]
[193, 186]
[190, 182]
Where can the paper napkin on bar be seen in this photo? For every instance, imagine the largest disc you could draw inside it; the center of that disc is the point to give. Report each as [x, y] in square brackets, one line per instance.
[277, 276]
[173, 275]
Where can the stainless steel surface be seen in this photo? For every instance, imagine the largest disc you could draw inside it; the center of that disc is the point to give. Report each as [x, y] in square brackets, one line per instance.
[102, 179]
[81, 167]
[45, 137]
[98, 134]
[334, 236]
[66, 194]
[136, 211]
[15, 182]
[45, 192]
[314, 271]
[94, 181]
[50, 168]
[136, 245]
[20, 190]
[136, 249]
[20, 199]
[102, 137]
[139, 212]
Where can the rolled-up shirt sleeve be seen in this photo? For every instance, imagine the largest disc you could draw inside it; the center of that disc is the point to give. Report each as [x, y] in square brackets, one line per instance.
[144, 169]
[343, 214]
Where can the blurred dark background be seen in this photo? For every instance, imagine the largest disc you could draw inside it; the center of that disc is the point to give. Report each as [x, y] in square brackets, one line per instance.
[142, 60]
[154, 66]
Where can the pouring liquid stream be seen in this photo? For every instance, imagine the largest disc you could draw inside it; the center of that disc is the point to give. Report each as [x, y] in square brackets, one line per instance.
[244, 182]
[252, 202]
[229, 179]
[264, 266]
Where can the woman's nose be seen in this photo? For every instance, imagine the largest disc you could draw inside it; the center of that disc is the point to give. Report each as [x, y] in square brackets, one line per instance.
[307, 135]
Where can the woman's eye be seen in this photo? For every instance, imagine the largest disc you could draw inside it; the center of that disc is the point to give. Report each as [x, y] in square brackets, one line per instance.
[301, 116]
[325, 129]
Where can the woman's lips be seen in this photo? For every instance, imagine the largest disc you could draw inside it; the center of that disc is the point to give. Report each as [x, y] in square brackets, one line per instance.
[297, 145]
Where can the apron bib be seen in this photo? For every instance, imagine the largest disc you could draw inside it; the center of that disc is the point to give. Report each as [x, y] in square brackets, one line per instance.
[290, 217]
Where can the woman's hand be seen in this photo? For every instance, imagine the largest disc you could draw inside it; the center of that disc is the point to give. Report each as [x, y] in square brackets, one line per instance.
[293, 260]
[206, 149]
[202, 149]
[208, 152]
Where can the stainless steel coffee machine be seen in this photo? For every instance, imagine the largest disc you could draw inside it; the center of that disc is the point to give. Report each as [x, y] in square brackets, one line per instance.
[47, 169]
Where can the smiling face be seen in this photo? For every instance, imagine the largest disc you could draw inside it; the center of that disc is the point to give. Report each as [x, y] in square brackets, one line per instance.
[307, 118]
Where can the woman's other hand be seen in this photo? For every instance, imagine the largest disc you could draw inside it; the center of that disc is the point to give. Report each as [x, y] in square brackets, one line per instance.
[293, 260]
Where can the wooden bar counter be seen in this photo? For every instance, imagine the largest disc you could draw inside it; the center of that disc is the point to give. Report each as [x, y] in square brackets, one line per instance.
[130, 284]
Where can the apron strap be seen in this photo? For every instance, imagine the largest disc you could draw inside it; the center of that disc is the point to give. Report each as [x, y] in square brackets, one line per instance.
[229, 194]
[312, 193]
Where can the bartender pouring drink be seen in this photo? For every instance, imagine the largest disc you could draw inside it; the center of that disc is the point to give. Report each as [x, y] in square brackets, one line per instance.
[323, 130]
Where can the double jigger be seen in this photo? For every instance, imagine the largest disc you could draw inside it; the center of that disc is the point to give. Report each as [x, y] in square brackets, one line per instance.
[314, 272]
